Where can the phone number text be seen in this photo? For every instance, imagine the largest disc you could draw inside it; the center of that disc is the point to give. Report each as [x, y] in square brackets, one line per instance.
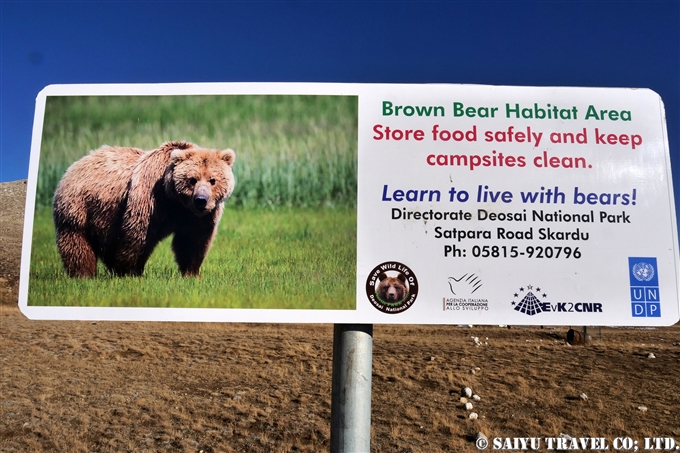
[512, 251]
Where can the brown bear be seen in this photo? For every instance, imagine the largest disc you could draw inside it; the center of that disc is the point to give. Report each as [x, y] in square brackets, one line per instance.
[392, 289]
[116, 204]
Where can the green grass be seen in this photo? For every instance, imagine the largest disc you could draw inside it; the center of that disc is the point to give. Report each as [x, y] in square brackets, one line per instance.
[290, 150]
[288, 258]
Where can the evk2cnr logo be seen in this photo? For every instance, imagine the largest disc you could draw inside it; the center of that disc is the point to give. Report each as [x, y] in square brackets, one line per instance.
[531, 301]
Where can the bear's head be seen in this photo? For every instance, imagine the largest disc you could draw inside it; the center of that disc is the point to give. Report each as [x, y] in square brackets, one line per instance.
[392, 289]
[201, 179]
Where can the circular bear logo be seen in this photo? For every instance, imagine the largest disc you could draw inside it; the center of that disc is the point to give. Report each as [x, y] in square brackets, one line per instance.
[392, 287]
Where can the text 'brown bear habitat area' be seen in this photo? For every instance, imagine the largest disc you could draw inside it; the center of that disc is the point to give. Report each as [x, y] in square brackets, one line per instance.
[70, 386]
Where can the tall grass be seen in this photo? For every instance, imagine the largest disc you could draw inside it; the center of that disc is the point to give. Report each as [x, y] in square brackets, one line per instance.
[291, 150]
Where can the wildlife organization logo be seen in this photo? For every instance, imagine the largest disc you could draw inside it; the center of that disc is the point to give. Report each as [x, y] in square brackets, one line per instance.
[530, 300]
[392, 287]
[463, 288]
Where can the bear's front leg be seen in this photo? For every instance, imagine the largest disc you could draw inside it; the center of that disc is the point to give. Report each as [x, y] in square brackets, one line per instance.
[190, 249]
[130, 256]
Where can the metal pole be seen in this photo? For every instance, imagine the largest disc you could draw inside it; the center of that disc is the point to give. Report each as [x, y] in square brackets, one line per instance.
[585, 335]
[351, 392]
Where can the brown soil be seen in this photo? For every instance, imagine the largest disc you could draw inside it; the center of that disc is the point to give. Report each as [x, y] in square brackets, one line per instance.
[71, 386]
[12, 201]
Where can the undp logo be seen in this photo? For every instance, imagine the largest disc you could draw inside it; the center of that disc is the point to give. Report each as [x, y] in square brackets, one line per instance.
[643, 272]
[644, 287]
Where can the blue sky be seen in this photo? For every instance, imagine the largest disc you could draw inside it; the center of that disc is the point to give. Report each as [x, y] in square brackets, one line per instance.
[608, 44]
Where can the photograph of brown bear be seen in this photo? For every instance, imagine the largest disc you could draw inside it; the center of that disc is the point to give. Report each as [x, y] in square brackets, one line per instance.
[392, 289]
[116, 204]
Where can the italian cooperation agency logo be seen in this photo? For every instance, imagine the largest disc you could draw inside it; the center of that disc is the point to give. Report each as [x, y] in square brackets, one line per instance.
[392, 287]
[464, 288]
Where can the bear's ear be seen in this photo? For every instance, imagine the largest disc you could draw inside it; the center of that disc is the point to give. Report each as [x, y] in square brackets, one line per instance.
[401, 277]
[228, 156]
[179, 155]
[382, 276]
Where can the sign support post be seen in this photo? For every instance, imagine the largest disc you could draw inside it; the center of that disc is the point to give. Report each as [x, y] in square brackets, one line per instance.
[351, 388]
[585, 335]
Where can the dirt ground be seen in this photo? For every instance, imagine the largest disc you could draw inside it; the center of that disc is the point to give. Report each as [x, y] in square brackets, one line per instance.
[72, 386]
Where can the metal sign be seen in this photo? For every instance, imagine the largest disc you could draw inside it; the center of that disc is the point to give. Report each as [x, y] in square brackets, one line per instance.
[349, 203]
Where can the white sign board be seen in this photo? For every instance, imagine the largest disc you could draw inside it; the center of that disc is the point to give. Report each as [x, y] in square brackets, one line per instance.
[451, 204]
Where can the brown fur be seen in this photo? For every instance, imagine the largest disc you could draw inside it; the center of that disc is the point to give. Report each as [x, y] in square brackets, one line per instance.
[392, 289]
[116, 204]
